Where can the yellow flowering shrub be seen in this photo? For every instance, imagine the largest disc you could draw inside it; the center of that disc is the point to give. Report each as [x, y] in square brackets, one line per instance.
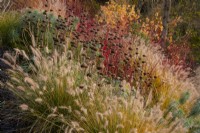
[153, 28]
[122, 16]
[117, 14]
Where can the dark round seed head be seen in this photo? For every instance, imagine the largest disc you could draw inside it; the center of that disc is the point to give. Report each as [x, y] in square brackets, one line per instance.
[81, 86]
[89, 75]
[99, 68]
[99, 85]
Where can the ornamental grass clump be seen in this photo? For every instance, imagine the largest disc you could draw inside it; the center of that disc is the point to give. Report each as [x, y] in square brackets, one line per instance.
[59, 95]
[52, 90]
[149, 70]
[9, 28]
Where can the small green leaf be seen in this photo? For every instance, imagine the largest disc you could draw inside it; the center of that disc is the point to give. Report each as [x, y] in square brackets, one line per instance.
[184, 97]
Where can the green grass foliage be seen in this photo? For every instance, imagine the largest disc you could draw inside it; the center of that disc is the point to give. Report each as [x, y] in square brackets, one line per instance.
[9, 28]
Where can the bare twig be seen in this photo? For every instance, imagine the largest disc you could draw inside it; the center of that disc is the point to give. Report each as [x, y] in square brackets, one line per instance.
[5, 5]
[166, 15]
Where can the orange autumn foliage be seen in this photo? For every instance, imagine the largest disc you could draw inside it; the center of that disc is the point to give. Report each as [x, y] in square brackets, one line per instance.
[115, 14]
[124, 15]
[153, 28]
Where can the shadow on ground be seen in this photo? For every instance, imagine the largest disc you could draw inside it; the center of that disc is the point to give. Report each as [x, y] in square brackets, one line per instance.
[9, 122]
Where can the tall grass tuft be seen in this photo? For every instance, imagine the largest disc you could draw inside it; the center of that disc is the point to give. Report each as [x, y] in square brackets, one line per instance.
[9, 28]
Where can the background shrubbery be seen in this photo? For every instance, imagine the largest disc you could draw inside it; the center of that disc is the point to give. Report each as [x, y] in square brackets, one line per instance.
[78, 72]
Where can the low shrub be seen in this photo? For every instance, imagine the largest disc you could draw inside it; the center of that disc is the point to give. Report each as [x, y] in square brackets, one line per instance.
[115, 14]
[46, 28]
[17, 29]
